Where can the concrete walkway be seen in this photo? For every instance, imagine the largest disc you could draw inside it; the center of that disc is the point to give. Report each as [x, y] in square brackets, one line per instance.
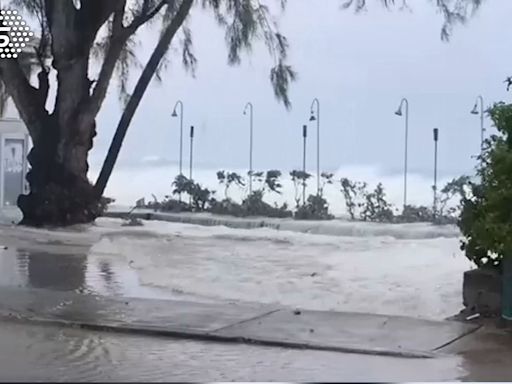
[336, 227]
[266, 325]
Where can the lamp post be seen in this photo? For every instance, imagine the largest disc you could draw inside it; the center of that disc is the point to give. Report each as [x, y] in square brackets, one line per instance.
[475, 111]
[304, 139]
[399, 113]
[191, 150]
[250, 107]
[174, 114]
[317, 118]
[436, 138]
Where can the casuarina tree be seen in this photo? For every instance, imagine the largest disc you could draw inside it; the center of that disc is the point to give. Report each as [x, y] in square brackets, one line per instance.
[84, 43]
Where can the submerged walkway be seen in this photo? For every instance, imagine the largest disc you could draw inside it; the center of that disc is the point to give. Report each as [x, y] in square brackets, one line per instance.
[334, 227]
[241, 323]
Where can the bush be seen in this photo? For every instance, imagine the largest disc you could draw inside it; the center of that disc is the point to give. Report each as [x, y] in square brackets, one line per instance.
[316, 208]
[415, 214]
[254, 205]
[229, 178]
[299, 179]
[354, 193]
[199, 196]
[376, 207]
[169, 205]
[486, 221]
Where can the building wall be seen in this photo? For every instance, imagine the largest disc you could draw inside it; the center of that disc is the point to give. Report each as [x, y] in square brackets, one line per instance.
[14, 145]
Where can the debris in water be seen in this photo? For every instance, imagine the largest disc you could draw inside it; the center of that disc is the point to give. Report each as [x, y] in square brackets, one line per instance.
[474, 316]
[314, 274]
[297, 312]
[133, 222]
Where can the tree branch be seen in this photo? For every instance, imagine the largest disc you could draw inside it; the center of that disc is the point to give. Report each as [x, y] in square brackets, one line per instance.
[117, 41]
[140, 88]
[25, 97]
[145, 17]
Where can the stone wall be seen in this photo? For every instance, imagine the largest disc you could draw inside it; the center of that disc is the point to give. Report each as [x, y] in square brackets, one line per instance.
[481, 292]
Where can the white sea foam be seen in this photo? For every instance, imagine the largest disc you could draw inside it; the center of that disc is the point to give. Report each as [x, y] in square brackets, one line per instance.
[130, 184]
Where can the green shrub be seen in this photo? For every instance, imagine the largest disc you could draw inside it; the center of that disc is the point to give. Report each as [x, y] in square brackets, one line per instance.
[486, 218]
[199, 196]
[353, 193]
[299, 179]
[376, 208]
[254, 205]
[316, 208]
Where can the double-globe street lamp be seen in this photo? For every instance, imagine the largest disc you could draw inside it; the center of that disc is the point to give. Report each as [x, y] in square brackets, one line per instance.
[398, 112]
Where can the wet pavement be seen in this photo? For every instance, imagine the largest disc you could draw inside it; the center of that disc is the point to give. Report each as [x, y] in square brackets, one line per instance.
[50, 353]
[70, 260]
[236, 323]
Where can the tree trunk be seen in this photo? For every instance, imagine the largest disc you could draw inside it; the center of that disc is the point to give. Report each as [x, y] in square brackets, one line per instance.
[140, 88]
[60, 193]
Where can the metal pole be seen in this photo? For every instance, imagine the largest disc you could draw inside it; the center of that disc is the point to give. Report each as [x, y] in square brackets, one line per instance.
[315, 100]
[180, 103]
[482, 129]
[251, 124]
[181, 138]
[304, 136]
[406, 150]
[250, 151]
[436, 138]
[191, 149]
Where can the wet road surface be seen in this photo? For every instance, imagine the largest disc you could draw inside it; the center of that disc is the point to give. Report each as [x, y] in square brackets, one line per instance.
[30, 352]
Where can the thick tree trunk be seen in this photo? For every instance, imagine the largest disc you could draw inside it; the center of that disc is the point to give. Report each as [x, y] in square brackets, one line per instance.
[60, 193]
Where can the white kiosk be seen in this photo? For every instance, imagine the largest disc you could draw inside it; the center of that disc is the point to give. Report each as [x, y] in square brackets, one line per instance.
[14, 147]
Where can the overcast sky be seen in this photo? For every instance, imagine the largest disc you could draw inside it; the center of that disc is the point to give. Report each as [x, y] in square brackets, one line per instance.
[359, 66]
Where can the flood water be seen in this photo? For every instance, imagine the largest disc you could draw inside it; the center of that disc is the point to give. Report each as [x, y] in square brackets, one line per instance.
[44, 260]
[31, 352]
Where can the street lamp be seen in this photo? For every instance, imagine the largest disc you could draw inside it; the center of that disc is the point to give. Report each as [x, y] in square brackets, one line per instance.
[436, 139]
[191, 150]
[304, 139]
[399, 113]
[250, 107]
[174, 114]
[317, 118]
[475, 111]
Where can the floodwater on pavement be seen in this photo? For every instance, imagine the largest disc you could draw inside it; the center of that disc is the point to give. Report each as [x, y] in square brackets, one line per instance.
[110, 264]
[33, 352]
[363, 273]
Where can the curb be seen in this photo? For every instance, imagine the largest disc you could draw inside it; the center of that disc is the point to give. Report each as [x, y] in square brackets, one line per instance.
[212, 337]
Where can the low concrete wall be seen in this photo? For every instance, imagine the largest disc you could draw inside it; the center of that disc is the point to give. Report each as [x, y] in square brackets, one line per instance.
[481, 292]
[328, 227]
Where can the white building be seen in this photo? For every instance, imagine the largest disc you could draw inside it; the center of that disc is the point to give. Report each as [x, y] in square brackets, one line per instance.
[14, 144]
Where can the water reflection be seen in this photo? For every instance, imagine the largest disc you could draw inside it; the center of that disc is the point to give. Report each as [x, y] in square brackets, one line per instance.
[83, 271]
[61, 272]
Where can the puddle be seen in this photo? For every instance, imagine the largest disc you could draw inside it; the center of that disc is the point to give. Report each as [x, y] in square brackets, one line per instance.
[78, 272]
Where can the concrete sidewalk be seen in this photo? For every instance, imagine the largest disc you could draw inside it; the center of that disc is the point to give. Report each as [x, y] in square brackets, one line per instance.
[336, 227]
[266, 325]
